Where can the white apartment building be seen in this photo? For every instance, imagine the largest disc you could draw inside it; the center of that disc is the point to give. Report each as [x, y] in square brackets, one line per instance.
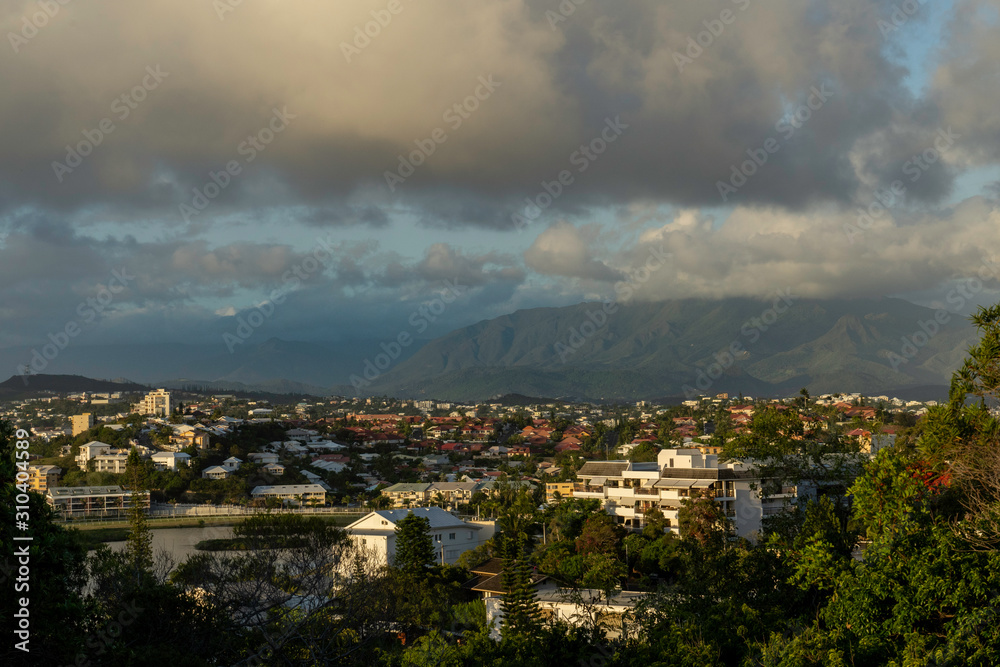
[156, 403]
[91, 450]
[450, 536]
[628, 490]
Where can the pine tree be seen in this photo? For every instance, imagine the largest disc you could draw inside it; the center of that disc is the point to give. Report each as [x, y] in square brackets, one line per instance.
[521, 614]
[139, 547]
[414, 549]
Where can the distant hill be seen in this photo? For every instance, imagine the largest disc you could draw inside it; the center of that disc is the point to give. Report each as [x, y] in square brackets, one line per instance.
[649, 350]
[30, 385]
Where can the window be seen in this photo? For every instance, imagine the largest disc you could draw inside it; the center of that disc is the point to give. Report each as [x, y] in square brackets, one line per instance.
[437, 538]
[451, 536]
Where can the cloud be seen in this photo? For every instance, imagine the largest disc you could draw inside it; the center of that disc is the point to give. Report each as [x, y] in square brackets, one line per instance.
[564, 250]
[760, 249]
[688, 122]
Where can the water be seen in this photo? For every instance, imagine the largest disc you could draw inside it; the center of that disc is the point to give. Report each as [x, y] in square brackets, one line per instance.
[179, 542]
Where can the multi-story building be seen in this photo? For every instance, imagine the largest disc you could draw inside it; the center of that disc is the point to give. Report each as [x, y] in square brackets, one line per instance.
[43, 478]
[91, 450]
[629, 490]
[564, 489]
[114, 461]
[82, 423]
[403, 494]
[91, 502]
[156, 403]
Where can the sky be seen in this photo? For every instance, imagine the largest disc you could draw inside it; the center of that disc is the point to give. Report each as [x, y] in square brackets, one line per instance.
[168, 168]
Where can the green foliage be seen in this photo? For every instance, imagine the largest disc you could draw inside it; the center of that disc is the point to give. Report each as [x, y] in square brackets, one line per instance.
[700, 518]
[414, 549]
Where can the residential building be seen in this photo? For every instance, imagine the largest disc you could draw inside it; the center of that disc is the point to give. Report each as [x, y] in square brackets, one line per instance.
[450, 536]
[565, 490]
[297, 494]
[114, 461]
[43, 478]
[91, 502]
[232, 464]
[170, 460]
[156, 403]
[452, 493]
[275, 469]
[82, 423]
[402, 494]
[628, 490]
[215, 472]
[579, 607]
[263, 457]
[90, 450]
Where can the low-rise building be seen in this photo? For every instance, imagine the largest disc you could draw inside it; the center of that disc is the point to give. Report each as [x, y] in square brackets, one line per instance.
[170, 460]
[293, 494]
[215, 472]
[92, 502]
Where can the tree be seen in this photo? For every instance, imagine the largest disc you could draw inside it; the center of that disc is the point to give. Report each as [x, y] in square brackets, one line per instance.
[139, 546]
[414, 549]
[600, 535]
[520, 604]
[701, 519]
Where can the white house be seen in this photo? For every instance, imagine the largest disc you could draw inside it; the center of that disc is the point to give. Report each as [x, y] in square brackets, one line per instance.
[275, 469]
[263, 458]
[232, 464]
[450, 536]
[170, 460]
[215, 472]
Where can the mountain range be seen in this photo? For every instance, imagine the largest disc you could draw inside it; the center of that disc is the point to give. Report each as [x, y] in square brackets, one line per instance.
[589, 351]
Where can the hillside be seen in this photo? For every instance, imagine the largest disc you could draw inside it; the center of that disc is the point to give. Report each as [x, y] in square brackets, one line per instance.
[645, 351]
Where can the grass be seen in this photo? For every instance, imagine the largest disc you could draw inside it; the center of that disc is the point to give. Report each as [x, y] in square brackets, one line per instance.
[97, 536]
